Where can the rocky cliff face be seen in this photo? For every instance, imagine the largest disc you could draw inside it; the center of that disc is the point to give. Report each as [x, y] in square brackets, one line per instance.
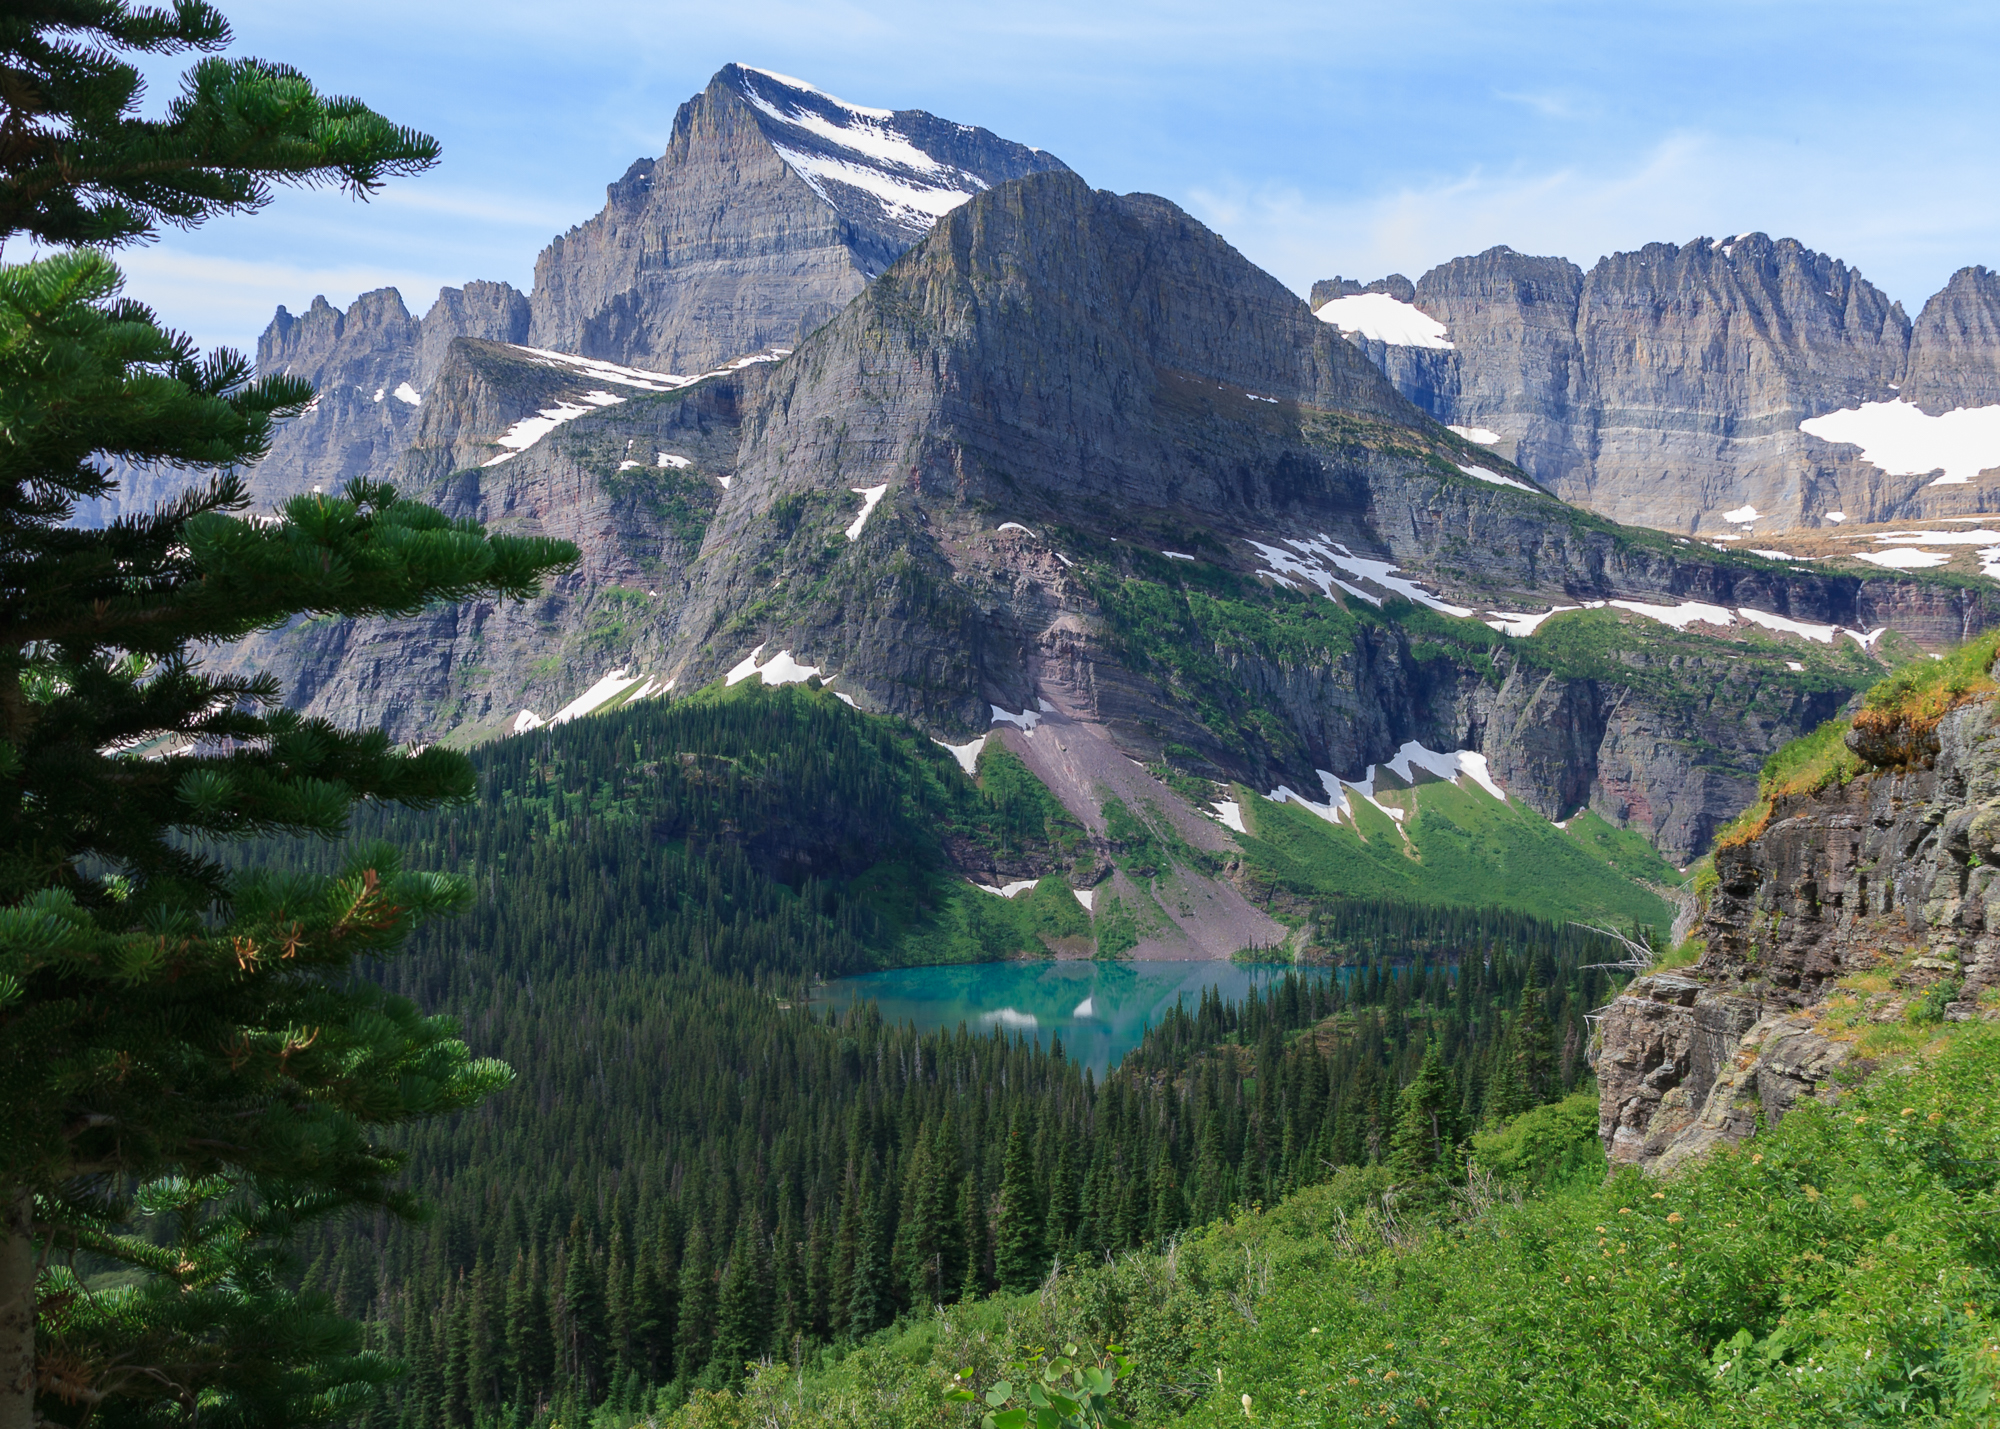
[1058, 378]
[1668, 386]
[634, 486]
[772, 207]
[1955, 346]
[1881, 885]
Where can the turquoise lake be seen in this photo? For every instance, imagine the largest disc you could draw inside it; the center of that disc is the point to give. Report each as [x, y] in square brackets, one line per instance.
[1099, 1010]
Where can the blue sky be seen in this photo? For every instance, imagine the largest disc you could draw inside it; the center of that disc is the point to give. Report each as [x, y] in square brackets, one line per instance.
[1318, 138]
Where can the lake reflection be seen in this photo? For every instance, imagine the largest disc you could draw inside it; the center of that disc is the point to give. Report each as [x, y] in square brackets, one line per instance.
[1099, 1010]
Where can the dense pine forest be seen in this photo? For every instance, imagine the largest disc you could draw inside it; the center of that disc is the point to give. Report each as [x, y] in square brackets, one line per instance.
[696, 1168]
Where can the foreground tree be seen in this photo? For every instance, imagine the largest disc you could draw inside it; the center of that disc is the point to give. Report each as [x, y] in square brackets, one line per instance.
[189, 1068]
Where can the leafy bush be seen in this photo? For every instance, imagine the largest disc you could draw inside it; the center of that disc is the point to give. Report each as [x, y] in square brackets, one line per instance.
[1549, 1144]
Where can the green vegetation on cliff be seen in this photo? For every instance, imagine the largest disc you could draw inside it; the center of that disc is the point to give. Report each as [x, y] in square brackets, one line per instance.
[1893, 726]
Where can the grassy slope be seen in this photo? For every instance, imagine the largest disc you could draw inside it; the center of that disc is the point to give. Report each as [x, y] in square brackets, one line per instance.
[1471, 850]
[1840, 1269]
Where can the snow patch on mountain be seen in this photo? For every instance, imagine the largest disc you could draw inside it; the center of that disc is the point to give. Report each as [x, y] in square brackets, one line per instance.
[1318, 558]
[1006, 890]
[869, 496]
[967, 754]
[834, 142]
[1905, 558]
[614, 691]
[1901, 439]
[780, 669]
[1451, 766]
[1480, 473]
[529, 430]
[1379, 316]
[1519, 623]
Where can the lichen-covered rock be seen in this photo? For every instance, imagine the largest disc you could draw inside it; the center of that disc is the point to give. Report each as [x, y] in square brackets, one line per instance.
[1893, 870]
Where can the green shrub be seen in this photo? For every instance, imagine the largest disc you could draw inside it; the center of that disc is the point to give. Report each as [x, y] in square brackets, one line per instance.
[1550, 1144]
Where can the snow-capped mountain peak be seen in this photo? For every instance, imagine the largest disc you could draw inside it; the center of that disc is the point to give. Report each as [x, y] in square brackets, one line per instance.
[900, 170]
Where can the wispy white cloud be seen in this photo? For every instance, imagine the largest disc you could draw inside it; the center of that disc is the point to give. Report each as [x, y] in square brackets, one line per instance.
[1565, 105]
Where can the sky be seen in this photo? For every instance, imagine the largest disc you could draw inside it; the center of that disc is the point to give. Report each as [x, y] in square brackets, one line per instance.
[1319, 139]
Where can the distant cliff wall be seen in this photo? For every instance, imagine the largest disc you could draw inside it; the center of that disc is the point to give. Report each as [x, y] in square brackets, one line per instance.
[1666, 387]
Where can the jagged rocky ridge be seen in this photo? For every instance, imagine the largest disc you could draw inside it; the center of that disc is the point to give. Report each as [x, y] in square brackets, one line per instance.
[1889, 874]
[1667, 387]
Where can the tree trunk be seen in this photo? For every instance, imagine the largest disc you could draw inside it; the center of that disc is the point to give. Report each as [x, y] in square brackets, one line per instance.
[17, 1311]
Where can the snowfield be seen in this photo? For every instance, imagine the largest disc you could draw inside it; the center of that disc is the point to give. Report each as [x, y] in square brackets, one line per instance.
[1902, 440]
[1379, 316]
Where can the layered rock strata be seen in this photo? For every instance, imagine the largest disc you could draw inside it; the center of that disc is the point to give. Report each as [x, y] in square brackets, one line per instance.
[1890, 874]
[1667, 387]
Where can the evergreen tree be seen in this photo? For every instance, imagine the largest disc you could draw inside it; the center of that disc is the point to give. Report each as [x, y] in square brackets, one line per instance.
[1020, 1259]
[1534, 1049]
[978, 1240]
[743, 1311]
[871, 1302]
[1426, 1126]
[581, 1319]
[166, 1022]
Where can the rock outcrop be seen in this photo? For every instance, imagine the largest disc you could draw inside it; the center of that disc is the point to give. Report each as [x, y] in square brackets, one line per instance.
[1667, 387]
[1955, 346]
[1889, 875]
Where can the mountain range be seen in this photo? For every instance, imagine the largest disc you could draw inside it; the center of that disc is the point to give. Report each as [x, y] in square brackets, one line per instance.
[872, 400]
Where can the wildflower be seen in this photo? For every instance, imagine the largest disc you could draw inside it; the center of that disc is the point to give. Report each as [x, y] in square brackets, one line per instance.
[1392, 1374]
[1673, 1218]
[1352, 1380]
[1246, 1408]
[1600, 1230]
[1659, 1195]
[1624, 1210]
[1861, 1121]
[1315, 1329]
[1758, 1159]
[1909, 1111]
